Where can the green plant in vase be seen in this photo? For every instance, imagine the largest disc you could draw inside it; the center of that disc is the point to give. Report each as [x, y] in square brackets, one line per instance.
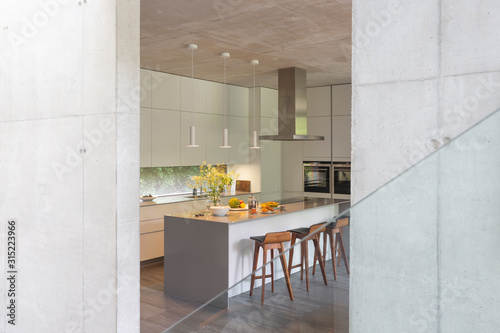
[212, 180]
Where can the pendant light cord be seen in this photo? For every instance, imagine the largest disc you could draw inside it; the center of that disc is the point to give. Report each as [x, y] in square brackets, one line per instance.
[192, 76]
[225, 95]
[254, 128]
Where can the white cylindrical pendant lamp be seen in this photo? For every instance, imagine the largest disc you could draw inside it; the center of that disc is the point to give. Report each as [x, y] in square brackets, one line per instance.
[192, 138]
[254, 141]
[225, 139]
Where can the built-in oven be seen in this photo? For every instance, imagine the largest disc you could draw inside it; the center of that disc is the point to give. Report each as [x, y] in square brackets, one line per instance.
[317, 176]
[341, 178]
[327, 177]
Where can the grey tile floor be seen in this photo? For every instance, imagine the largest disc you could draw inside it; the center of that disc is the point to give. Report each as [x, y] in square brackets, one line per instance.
[322, 309]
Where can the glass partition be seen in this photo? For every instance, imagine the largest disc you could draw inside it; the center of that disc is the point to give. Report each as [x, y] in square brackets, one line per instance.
[423, 257]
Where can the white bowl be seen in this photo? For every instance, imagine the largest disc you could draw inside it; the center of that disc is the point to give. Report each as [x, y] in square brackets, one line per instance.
[219, 210]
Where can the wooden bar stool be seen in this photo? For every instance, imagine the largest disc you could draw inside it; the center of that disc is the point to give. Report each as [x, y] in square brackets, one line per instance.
[337, 247]
[302, 233]
[271, 241]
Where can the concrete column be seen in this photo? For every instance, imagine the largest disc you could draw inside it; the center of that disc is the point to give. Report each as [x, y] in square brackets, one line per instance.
[423, 73]
[69, 163]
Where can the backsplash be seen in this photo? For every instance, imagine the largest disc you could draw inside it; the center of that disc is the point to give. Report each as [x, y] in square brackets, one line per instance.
[166, 180]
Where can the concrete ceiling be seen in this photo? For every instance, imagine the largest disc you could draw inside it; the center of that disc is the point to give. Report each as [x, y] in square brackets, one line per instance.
[311, 34]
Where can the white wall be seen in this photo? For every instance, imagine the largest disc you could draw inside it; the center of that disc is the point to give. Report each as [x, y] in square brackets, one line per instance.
[69, 147]
[423, 72]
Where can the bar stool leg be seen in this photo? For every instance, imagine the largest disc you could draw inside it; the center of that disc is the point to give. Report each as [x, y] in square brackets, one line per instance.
[285, 271]
[318, 251]
[264, 257]
[306, 256]
[292, 243]
[334, 253]
[255, 260]
[342, 250]
[272, 270]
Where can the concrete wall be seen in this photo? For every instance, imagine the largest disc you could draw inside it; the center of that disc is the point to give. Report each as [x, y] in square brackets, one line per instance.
[424, 72]
[69, 161]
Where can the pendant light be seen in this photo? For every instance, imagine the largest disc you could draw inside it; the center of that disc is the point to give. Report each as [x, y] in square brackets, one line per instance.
[225, 140]
[254, 133]
[192, 129]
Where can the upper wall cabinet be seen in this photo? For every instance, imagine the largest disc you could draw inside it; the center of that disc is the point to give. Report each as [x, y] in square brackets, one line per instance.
[145, 137]
[318, 150]
[165, 136]
[238, 140]
[318, 101]
[341, 138]
[215, 98]
[146, 84]
[214, 128]
[166, 91]
[238, 101]
[199, 95]
[341, 100]
[268, 102]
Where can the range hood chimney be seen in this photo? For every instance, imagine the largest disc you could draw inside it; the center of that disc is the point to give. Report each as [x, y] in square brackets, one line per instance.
[292, 107]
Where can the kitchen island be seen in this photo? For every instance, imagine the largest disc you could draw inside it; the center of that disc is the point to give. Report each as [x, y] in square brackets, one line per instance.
[205, 255]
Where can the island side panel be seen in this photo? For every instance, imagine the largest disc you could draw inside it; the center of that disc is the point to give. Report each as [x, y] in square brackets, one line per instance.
[241, 247]
[196, 259]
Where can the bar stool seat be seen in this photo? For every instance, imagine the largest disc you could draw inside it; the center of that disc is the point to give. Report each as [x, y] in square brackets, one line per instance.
[270, 241]
[304, 233]
[336, 247]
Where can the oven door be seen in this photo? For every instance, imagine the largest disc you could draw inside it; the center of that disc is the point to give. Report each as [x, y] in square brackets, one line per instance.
[317, 177]
[341, 179]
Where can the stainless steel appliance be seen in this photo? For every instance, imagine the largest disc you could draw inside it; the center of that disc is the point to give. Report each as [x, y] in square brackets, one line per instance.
[327, 177]
[341, 183]
[317, 177]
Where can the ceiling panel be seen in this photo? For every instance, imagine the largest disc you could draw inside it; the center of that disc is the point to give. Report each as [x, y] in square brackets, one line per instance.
[311, 34]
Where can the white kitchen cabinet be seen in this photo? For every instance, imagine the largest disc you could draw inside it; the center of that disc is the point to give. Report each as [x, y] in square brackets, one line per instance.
[238, 101]
[166, 91]
[341, 138]
[268, 102]
[214, 129]
[341, 100]
[238, 140]
[193, 156]
[199, 95]
[152, 225]
[165, 138]
[318, 150]
[145, 89]
[145, 137]
[215, 98]
[318, 101]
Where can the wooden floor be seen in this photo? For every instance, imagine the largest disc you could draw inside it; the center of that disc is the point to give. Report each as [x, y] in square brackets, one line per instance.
[322, 309]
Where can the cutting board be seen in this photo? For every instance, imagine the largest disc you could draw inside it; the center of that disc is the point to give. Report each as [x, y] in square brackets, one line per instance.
[243, 185]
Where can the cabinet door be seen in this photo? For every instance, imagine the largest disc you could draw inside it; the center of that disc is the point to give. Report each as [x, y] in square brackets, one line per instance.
[166, 92]
[341, 138]
[199, 95]
[214, 128]
[292, 170]
[341, 100]
[193, 156]
[166, 133]
[318, 150]
[146, 84]
[215, 98]
[238, 101]
[318, 101]
[238, 140]
[145, 138]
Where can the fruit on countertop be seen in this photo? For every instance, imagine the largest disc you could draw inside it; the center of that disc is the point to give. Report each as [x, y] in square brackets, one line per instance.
[234, 203]
[242, 205]
[271, 204]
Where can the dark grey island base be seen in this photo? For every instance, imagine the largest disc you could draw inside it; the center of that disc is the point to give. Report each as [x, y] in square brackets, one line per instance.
[206, 255]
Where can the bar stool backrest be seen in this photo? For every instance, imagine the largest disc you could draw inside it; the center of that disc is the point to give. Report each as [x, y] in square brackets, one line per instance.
[342, 222]
[277, 237]
[319, 226]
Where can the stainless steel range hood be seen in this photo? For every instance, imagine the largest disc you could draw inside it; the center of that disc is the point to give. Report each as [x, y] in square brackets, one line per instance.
[292, 107]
